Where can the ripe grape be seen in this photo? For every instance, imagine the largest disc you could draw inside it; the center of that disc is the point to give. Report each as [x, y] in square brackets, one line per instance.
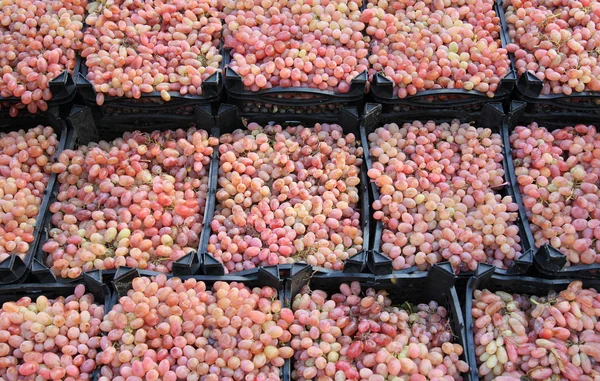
[173, 329]
[545, 337]
[437, 200]
[50, 339]
[133, 48]
[556, 41]
[428, 45]
[287, 195]
[557, 173]
[26, 159]
[39, 41]
[351, 336]
[137, 201]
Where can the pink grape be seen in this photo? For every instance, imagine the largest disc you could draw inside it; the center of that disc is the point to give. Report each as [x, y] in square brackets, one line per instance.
[437, 199]
[183, 329]
[134, 48]
[50, 339]
[541, 337]
[26, 158]
[137, 201]
[287, 195]
[558, 174]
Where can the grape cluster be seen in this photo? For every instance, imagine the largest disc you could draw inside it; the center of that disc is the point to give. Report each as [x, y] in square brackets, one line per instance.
[181, 330]
[557, 173]
[557, 41]
[317, 44]
[26, 159]
[50, 339]
[138, 201]
[439, 44]
[38, 41]
[350, 336]
[437, 198]
[137, 47]
[287, 195]
[555, 336]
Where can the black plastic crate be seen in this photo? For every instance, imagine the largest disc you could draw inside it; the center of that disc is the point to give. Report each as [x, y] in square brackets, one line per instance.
[14, 269]
[150, 104]
[548, 260]
[491, 116]
[227, 121]
[382, 89]
[291, 100]
[529, 87]
[486, 278]
[84, 131]
[436, 285]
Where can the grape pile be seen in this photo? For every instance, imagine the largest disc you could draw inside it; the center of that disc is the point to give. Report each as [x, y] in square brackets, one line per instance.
[425, 45]
[437, 199]
[137, 47]
[550, 337]
[353, 336]
[179, 330]
[26, 159]
[138, 201]
[38, 41]
[557, 173]
[316, 44]
[287, 195]
[55, 339]
[557, 41]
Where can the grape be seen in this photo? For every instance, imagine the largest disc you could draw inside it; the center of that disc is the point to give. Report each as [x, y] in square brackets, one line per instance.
[137, 201]
[557, 173]
[137, 47]
[182, 330]
[316, 44]
[556, 41]
[26, 160]
[353, 336]
[428, 45]
[50, 339]
[437, 199]
[287, 195]
[39, 41]
[539, 337]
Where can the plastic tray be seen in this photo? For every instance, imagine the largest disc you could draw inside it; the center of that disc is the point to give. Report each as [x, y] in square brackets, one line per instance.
[14, 269]
[382, 89]
[486, 278]
[435, 285]
[530, 87]
[85, 131]
[298, 100]
[150, 104]
[227, 121]
[491, 116]
[547, 259]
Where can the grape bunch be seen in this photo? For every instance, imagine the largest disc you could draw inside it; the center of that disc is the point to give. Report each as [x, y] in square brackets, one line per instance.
[26, 158]
[38, 41]
[557, 41]
[437, 199]
[177, 329]
[50, 339]
[287, 195]
[296, 44]
[439, 44]
[549, 337]
[137, 201]
[557, 173]
[138, 47]
[351, 336]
